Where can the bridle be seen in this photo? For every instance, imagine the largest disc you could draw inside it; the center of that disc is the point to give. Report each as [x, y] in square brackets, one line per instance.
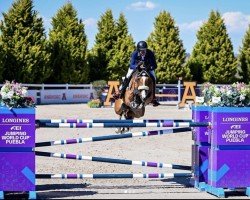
[142, 91]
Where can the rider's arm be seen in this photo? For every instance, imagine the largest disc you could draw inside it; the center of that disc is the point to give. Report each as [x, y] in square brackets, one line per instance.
[133, 59]
[152, 61]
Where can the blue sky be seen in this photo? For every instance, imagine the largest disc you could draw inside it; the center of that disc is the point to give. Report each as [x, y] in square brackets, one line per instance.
[140, 15]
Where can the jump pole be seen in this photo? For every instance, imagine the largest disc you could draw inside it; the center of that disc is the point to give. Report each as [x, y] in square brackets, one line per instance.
[111, 120]
[112, 160]
[113, 176]
[119, 125]
[112, 137]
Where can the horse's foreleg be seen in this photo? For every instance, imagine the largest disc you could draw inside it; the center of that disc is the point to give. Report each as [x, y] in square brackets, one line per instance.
[120, 129]
[129, 115]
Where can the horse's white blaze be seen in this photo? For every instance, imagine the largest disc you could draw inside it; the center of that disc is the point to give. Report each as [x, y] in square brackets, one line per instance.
[144, 80]
[143, 94]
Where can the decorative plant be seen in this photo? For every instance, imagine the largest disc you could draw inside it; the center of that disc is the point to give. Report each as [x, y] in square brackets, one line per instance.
[95, 103]
[235, 95]
[99, 86]
[14, 95]
[208, 92]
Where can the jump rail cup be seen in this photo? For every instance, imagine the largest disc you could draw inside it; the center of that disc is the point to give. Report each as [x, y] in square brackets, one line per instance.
[112, 137]
[113, 176]
[118, 125]
[112, 160]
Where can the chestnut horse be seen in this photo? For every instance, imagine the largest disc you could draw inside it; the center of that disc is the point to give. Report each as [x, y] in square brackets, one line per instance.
[137, 96]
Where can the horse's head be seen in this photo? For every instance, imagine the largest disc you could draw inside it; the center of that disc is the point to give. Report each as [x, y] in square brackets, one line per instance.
[144, 84]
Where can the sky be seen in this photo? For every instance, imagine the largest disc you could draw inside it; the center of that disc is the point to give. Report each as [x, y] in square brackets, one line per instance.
[188, 15]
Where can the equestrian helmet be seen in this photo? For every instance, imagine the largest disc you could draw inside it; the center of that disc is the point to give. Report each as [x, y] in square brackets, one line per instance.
[142, 45]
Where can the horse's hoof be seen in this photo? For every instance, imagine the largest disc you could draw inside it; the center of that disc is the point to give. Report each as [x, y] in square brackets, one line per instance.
[118, 130]
[128, 129]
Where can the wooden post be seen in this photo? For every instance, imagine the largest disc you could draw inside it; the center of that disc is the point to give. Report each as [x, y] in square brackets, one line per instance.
[113, 85]
[188, 86]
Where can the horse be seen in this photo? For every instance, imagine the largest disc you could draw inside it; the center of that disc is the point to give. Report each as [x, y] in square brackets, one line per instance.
[137, 96]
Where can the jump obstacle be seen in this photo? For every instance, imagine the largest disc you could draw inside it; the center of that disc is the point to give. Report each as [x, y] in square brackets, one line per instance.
[178, 126]
[214, 171]
[113, 160]
[219, 156]
[114, 123]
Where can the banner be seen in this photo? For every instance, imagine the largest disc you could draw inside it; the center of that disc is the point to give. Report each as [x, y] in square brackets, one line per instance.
[66, 96]
[33, 94]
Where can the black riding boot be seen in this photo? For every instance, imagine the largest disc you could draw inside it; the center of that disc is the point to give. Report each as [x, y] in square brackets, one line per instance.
[124, 87]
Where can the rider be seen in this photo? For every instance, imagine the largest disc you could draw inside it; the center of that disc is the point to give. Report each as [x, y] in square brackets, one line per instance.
[141, 56]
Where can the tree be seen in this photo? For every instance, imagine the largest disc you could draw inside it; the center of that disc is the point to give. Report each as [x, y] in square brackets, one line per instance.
[23, 44]
[1, 63]
[68, 46]
[104, 43]
[169, 50]
[244, 58]
[121, 52]
[212, 59]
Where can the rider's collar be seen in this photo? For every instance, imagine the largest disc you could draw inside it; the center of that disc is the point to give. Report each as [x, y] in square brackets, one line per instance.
[140, 55]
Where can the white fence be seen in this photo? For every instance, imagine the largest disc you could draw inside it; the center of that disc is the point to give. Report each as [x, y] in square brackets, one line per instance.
[82, 93]
[60, 93]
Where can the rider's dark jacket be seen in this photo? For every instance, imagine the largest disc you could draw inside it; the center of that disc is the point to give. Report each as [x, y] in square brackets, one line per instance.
[149, 60]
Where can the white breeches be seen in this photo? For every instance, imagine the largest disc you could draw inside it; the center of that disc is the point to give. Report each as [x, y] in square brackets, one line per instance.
[130, 71]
